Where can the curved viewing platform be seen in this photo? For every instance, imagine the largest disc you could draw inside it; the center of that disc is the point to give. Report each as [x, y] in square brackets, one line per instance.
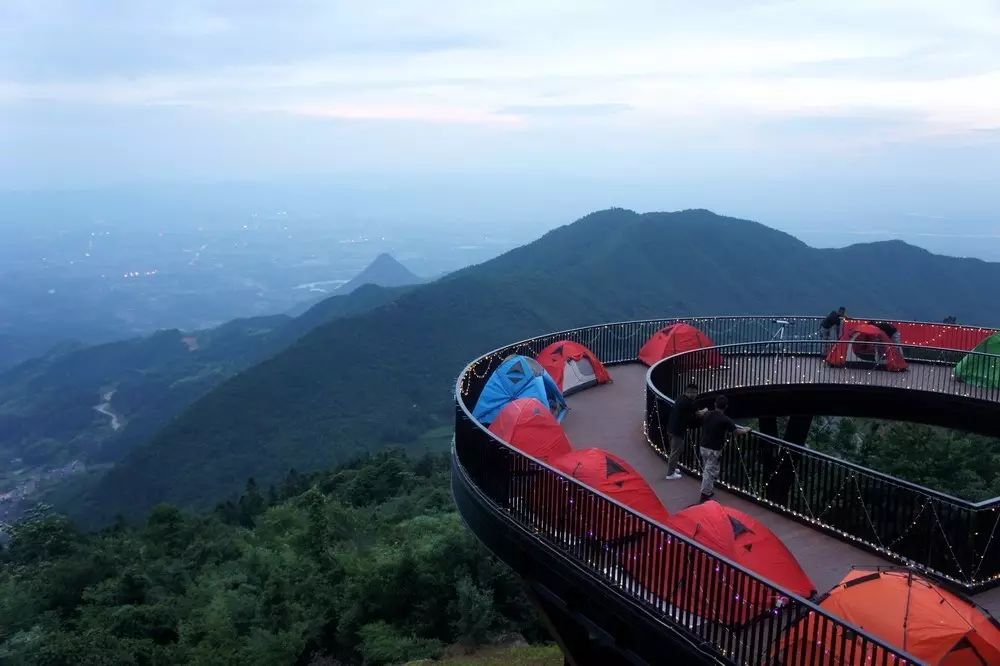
[831, 514]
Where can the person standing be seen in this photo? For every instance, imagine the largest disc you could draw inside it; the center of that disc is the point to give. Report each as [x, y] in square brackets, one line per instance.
[830, 327]
[682, 418]
[715, 426]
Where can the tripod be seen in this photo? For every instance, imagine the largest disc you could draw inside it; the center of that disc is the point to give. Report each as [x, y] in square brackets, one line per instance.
[779, 335]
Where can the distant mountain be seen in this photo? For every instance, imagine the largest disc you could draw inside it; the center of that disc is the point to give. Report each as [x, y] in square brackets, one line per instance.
[385, 376]
[92, 405]
[384, 271]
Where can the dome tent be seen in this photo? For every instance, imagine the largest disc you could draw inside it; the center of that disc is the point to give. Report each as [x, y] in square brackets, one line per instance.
[518, 377]
[906, 611]
[572, 366]
[738, 537]
[981, 368]
[868, 346]
[613, 476]
[678, 338]
[528, 425]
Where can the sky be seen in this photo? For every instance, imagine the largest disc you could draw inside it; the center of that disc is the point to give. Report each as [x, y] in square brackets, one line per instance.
[834, 120]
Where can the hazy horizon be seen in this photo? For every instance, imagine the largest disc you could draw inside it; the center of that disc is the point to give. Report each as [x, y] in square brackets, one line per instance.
[836, 122]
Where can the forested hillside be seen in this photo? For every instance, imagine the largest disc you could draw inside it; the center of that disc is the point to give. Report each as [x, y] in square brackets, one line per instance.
[364, 564]
[961, 464]
[364, 382]
[89, 406]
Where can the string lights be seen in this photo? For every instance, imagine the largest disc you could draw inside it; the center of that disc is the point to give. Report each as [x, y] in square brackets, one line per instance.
[776, 363]
[808, 371]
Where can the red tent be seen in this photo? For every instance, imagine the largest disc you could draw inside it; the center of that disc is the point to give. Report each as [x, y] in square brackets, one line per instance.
[678, 338]
[609, 474]
[572, 366]
[737, 537]
[859, 345]
[528, 425]
[906, 611]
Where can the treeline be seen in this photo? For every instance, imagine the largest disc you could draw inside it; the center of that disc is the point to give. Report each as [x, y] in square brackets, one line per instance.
[368, 563]
[950, 461]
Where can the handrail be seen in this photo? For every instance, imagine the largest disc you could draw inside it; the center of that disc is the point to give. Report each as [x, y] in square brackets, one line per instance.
[894, 517]
[530, 479]
[995, 501]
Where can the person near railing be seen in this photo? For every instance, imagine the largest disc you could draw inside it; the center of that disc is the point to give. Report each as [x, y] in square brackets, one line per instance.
[830, 326]
[682, 418]
[715, 426]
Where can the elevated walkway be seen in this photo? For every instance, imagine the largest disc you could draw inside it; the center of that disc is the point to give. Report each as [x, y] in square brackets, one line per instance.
[611, 417]
[599, 571]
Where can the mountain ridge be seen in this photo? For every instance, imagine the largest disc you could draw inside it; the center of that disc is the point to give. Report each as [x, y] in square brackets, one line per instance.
[384, 376]
[49, 413]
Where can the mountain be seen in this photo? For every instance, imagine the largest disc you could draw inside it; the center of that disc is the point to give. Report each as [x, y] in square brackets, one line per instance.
[385, 376]
[384, 271]
[88, 406]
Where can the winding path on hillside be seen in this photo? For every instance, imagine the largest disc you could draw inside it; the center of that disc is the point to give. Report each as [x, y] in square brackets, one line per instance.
[611, 417]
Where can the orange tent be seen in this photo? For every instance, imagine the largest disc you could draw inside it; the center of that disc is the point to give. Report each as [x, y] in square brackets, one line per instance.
[609, 474]
[904, 610]
[678, 338]
[528, 425]
[739, 538]
[572, 366]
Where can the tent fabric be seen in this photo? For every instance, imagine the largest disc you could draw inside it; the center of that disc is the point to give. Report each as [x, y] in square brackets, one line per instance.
[978, 368]
[613, 476]
[866, 345]
[906, 611]
[518, 377]
[529, 426]
[743, 539]
[736, 536]
[945, 336]
[572, 366]
[678, 338]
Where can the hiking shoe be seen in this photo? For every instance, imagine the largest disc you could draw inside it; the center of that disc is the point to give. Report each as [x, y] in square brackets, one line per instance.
[674, 476]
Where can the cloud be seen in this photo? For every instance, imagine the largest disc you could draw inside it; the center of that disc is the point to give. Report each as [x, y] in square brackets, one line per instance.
[564, 110]
[518, 79]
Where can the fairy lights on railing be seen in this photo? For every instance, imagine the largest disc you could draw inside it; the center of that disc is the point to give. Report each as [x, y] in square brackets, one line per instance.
[875, 521]
[555, 509]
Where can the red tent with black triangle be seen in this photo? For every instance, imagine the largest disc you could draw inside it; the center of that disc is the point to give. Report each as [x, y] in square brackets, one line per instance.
[573, 366]
[738, 537]
[613, 476]
[528, 425]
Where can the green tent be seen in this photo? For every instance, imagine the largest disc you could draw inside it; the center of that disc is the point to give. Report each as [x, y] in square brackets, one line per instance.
[980, 369]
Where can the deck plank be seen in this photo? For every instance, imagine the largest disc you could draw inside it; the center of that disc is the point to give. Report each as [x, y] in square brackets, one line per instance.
[611, 417]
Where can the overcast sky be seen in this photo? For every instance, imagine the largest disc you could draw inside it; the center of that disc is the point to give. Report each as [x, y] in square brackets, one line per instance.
[861, 111]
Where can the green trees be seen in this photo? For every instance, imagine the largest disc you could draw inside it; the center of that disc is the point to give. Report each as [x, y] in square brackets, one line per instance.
[951, 461]
[367, 563]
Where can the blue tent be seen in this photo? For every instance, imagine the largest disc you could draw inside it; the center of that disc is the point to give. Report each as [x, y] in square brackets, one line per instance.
[518, 377]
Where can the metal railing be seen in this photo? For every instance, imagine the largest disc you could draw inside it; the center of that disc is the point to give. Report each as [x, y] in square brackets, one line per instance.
[745, 618]
[740, 617]
[619, 342]
[947, 536]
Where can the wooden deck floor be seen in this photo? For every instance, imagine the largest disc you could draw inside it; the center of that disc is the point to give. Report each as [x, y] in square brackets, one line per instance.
[611, 417]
